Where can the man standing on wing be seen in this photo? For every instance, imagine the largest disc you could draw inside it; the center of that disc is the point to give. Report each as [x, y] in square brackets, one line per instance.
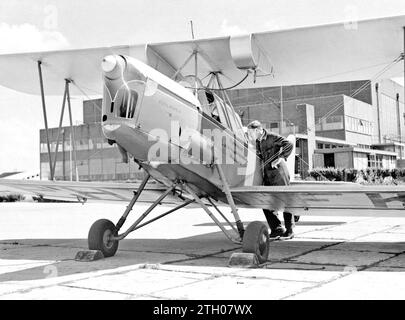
[274, 150]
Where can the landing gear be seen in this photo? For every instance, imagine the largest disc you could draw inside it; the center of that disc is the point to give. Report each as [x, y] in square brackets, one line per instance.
[297, 218]
[100, 237]
[256, 240]
[103, 234]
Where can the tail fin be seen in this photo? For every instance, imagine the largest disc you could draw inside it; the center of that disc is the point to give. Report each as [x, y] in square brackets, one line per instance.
[291, 158]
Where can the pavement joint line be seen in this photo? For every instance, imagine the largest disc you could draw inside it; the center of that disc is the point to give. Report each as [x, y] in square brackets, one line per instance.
[321, 267]
[151, 251]
[383, 260]
[94, 289]
[27, 263]
[99, 273]
[288, 259]
[169, 252]
[318, 285]
[17, 247]
[209, 278]
[333, 226]
[323, 263]
[15, 243]
[202, 256]
[90, 276]
[45, 246]
[267, 278]
[373, 264]
[324, 239]
[390, 267]
[363, 251]
[213, 277]
[345, 223]
[161, 267]
[370, 233]
[130, 295]
[236, 273]
[322, 283]
[328, 246]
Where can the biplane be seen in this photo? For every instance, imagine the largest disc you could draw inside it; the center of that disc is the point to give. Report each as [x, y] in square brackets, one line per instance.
[166, 106]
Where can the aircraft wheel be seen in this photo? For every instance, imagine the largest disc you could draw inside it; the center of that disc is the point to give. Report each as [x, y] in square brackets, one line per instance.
[256, 240]
[297, 218]
[99, 237]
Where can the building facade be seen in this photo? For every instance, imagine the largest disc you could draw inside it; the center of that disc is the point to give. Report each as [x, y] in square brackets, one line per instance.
[96, 160]
[357, 124]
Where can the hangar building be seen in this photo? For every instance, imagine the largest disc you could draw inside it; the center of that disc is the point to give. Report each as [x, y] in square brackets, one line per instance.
[357, 124]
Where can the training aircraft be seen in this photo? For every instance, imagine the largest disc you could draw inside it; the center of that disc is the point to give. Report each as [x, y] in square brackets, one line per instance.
[186, 135]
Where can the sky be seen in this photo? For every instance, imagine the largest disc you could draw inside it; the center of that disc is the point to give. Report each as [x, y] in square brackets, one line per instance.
[39, 25]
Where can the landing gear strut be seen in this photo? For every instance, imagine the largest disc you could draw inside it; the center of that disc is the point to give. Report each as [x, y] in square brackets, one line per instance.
[103, 234]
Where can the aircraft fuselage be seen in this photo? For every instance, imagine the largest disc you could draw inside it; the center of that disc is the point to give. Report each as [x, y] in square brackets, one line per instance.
[168, 131]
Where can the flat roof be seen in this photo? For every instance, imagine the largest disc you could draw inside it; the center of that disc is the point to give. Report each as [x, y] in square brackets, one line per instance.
[355, 149]
[389, 144]
[327, 140]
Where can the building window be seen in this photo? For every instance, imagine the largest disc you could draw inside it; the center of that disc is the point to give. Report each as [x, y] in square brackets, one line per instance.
[358, 125]
[329, 123]
[375, 161]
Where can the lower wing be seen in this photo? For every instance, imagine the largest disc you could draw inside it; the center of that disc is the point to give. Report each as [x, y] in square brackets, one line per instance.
[304, 196]
[84, 191]
[299, 197]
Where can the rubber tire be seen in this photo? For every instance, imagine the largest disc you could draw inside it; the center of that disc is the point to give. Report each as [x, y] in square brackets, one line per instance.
[297, 218]
[96, 235]
[252, 240]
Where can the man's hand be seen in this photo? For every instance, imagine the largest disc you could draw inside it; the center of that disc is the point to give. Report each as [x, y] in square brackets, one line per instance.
[275, 163]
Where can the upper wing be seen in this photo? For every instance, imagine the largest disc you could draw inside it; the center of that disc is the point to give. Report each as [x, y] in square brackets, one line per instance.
[336, 52]
[327, 53]
[97, 191]
[321, 195]
[20, 71]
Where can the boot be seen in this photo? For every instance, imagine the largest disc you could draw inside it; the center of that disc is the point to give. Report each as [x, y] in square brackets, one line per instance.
[276, 229]
[289, 223]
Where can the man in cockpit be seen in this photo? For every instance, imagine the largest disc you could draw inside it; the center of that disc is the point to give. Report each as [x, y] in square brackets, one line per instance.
[274, 150]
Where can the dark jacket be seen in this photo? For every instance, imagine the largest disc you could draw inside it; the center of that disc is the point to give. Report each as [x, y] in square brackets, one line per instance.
[271, 147]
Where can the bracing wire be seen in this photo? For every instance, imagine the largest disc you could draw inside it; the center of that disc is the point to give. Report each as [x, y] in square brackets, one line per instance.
[222, 89]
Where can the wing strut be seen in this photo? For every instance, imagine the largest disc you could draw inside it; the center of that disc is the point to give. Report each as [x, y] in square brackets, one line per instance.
[403, 58]
[66, 98]
[41, 83]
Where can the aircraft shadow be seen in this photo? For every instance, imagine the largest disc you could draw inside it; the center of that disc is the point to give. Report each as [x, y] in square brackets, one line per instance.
[206, 250]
